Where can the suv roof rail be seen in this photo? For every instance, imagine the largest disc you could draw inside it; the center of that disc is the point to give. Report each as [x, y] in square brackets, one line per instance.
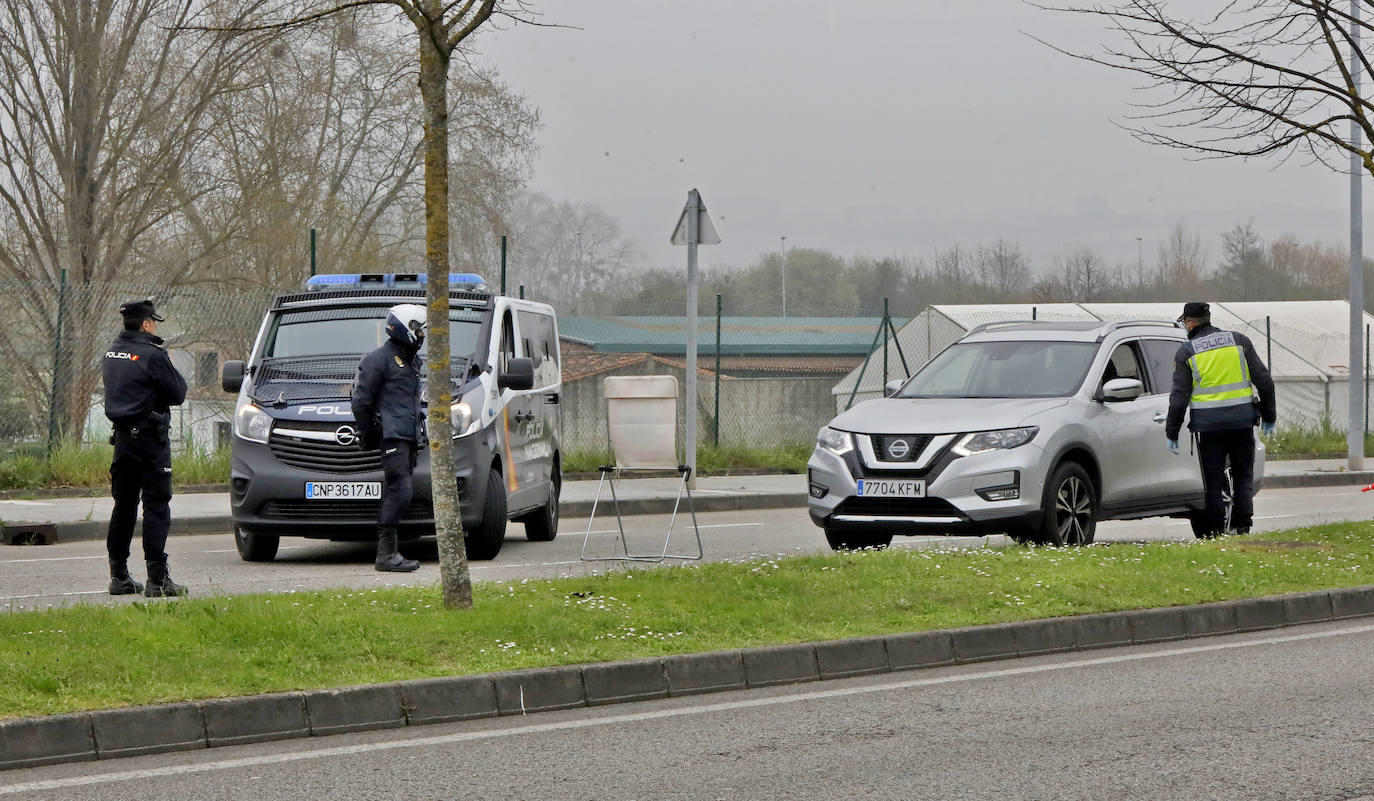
[997, 324]
[1105, 325]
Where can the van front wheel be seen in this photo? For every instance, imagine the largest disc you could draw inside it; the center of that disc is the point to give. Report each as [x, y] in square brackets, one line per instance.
[542, 524]
[484, 539]
[255, 547]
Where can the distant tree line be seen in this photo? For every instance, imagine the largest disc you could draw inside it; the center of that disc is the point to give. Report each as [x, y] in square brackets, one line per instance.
[1245, 266]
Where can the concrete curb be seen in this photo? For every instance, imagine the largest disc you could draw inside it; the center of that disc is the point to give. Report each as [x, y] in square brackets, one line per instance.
[108, 734]
[738, 502]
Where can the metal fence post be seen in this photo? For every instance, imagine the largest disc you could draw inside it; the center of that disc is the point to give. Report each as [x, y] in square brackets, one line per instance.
[1268, 344]
[56, 362]
[312, 251]
[716, 434]
[503, 264]
[886, 325]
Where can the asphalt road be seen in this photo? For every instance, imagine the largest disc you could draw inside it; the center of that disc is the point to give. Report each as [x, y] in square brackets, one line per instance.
[75, 572]
[1270, 715]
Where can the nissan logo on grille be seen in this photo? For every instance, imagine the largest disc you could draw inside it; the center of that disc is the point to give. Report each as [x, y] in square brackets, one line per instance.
[898, 449]
[345, 435]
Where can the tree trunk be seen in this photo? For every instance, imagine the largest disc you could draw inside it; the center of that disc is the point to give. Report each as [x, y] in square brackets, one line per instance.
[448, 522]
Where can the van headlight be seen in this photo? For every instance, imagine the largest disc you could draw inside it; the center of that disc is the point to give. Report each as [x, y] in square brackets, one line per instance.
[837, 442]
[1000, 440]
[252, 423]
[461, 416]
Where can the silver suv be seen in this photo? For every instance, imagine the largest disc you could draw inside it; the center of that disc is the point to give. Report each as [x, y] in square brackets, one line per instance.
[1032, 429]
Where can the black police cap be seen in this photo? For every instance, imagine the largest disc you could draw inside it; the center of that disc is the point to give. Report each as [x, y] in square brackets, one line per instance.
[140, 310]
[1196, 310]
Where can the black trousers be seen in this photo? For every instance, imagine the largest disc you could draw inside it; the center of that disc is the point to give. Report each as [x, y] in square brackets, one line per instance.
[1214, 448]
[398, 467]
[142, 466]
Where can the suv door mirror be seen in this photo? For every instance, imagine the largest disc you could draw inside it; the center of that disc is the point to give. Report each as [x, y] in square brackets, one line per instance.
[1122, 389]
[519, 374]
[231, 377]
[891, 387]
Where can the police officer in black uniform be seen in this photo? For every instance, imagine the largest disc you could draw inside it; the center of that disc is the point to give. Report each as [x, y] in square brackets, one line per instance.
[140, 386]
[386, 408]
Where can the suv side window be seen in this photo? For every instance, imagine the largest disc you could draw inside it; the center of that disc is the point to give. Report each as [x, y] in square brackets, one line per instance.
[1124, 363]
[1159, 357]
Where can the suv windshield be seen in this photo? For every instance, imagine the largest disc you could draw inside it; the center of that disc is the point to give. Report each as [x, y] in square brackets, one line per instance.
[357, 330]
[1020, 369]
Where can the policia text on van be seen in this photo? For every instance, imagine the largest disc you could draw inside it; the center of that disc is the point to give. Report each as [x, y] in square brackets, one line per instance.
[297, 465]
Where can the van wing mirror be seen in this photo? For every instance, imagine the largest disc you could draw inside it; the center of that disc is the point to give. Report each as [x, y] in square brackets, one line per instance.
[1122, 389]
[891, 387]
[519, 374]
[231, 377]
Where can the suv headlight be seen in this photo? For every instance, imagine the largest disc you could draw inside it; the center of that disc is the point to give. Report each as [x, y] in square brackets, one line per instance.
[252, 423]
[461, 416]
[836, 442]
[1002, 439]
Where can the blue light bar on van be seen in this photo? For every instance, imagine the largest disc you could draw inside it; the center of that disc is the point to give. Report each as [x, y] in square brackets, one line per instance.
[464, 281]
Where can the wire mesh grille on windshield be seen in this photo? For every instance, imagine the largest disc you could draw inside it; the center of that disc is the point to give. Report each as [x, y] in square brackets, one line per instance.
[300, 379]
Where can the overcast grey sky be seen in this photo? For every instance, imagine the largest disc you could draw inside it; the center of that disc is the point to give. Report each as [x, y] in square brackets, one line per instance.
[873, 127]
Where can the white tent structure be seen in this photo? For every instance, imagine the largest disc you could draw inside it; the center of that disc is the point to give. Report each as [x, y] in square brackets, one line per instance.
[1305, 344]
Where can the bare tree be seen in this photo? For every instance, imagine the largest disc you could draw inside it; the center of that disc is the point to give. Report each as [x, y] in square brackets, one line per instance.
[100, 102]
[1182, 263]
[1084, 275]
[567, 252]
[440, 28]
[1003, 268]
[1243, 78]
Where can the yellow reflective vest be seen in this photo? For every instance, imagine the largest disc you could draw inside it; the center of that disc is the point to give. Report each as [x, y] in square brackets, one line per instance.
[1221, 377]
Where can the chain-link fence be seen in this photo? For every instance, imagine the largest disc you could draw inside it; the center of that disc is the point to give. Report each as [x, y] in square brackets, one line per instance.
[763, 380]
[50, 381]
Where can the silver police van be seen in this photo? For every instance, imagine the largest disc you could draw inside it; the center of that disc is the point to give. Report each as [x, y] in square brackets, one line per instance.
[297, 465]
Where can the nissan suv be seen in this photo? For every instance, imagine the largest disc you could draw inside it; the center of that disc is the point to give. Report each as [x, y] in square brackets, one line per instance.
[1032, 429]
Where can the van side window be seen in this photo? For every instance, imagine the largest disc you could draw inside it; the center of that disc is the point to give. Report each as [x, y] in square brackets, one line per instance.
[507, 342]
[530, 328]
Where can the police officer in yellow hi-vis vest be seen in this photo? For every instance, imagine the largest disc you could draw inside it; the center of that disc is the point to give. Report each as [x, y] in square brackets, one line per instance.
[1216, 376]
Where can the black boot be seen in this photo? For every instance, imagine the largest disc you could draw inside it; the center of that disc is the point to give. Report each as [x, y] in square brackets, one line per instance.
[160, 582]
[121, 583]
[389, 559]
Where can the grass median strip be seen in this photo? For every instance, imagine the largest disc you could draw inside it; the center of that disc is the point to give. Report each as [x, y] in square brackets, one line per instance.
[95, 657]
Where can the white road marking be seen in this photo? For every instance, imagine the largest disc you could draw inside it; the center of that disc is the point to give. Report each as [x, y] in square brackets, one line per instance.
[29, 503]
[635, 717]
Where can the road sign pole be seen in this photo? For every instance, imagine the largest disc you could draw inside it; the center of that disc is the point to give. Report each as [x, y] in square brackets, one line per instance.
[693, 231]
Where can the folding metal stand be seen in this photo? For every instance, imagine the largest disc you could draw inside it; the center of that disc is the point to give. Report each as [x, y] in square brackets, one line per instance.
[641, 425]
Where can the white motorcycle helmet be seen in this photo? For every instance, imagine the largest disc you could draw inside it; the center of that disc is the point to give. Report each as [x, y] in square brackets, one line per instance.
[406, 324]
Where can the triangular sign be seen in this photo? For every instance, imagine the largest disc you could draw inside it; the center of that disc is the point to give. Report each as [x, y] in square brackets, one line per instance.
[706, 231]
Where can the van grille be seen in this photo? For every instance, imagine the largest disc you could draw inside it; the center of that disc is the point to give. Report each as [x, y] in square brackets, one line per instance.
[326, 457]
[365, 511]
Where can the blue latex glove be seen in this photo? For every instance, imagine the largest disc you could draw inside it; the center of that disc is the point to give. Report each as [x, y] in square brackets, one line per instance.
[1173, 446]
[1267, 429]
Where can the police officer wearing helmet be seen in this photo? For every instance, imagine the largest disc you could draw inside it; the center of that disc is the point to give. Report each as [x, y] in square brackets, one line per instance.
[386, 406]
[140, 387]
[1216, 375]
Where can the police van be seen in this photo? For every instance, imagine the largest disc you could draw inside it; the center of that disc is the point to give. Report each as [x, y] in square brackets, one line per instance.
[297, 464]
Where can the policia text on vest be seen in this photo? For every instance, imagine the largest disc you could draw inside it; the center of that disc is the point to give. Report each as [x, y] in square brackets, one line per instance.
[1216, 377]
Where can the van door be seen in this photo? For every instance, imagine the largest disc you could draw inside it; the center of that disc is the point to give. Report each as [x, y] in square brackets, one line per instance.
[515, 416]
[539, 342]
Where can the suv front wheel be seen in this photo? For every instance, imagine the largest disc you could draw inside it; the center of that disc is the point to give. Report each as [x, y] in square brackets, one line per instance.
[1069, 509]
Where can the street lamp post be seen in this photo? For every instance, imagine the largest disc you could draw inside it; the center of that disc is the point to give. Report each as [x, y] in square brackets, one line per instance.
[1140, 260]
[784, 275]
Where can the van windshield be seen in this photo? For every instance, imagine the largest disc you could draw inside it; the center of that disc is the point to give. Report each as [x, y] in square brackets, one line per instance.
[357, 330]
[1003, 370]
